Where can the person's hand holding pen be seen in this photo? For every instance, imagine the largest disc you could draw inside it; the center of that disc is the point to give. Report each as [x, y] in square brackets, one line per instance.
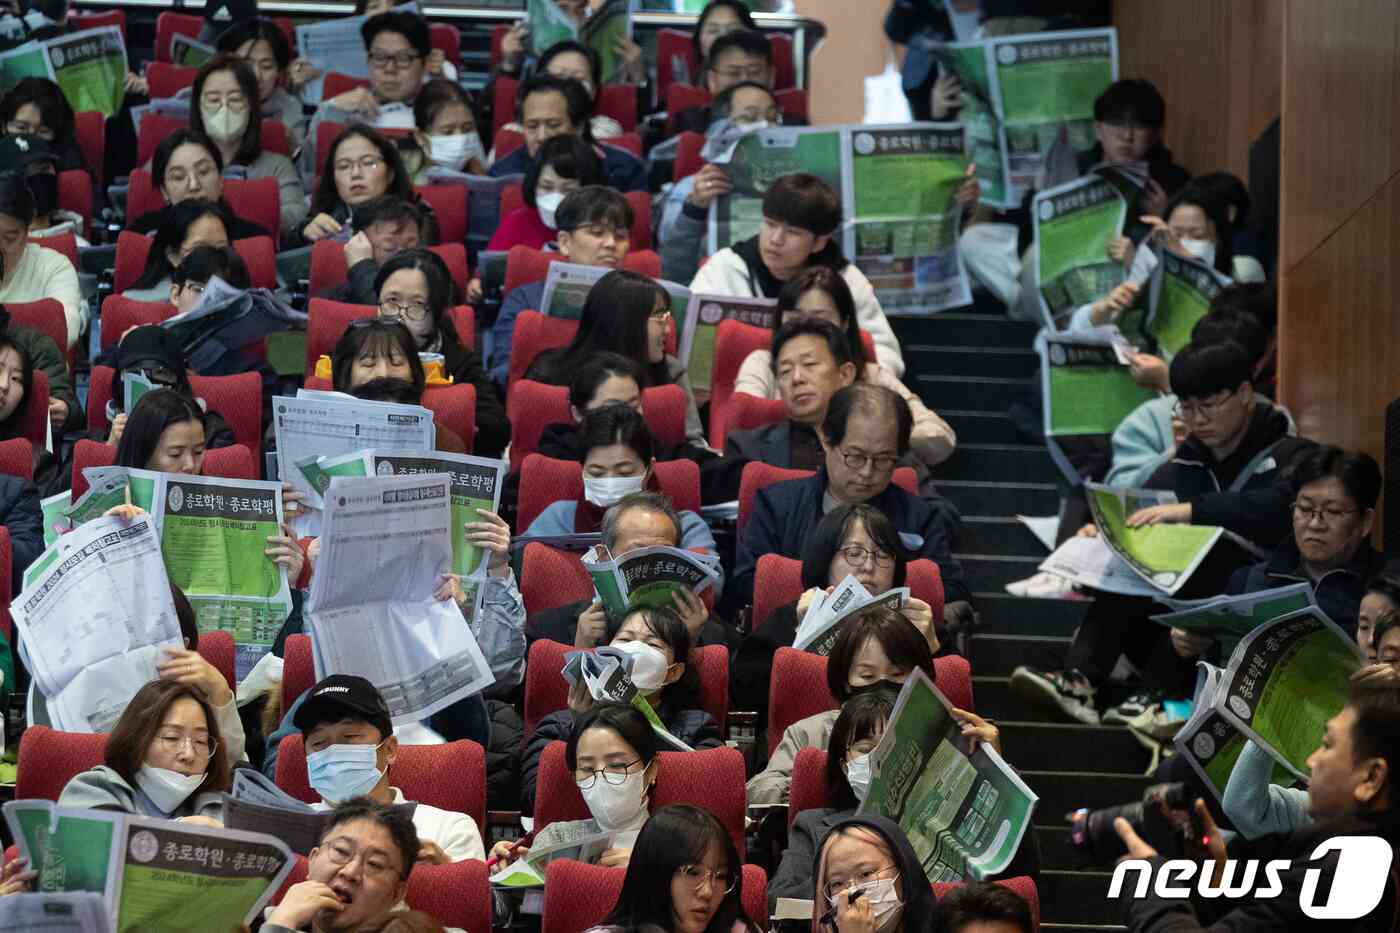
[505, 852]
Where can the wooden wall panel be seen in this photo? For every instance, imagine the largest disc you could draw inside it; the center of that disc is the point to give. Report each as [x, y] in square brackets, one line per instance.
[1219, 67]
[855, 47]
[1340, 127]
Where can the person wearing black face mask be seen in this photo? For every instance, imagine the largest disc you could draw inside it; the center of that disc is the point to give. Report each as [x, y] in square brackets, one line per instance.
[37, 161]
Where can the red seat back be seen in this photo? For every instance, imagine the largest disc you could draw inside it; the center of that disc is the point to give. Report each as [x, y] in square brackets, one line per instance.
[257, 201]
[734, 341]
[450, 205]
[46, 317]
[525, 264]
[337, 83]
[744, 412]
[675, 60]
[784, 73]
[534, 333]
[507, 141]
[7, 623]
[90, 128]
[578, 896]
[513, 198]
[418, 771]
[454, 408]
[120, 314]
[688, 158]
[164, 79]
[712, 778]
[618, 101]
[793, 103]
[217, 648]
[75, 194]
[326, 320]
[169, 25]
[238, 398]
[531, 407]
[447, 40]
[808, 790]
[298, 669]
[235, 462]
[257, 252]
[17, 458]
[798, 688]
[457, 894]
[683, 97]
[49, 759]
[547, 692]
[503, 109]
[154, 127]
[544, 480]
[756, 476]
[34, 426]
[549, 578]
[77, 22]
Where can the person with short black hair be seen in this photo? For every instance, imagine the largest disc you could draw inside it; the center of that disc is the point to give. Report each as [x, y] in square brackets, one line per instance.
[1381, 602]
[637, 520]
[1231, 470]
[737, 56]
[188, 281]
[801, 216]
[563, 165]
[1332, 512]
[384, 227]
[359, 870]
[350, 747]
[984, 907]
[549, 107]
[594, 228]
[397, 46]
[863, 435]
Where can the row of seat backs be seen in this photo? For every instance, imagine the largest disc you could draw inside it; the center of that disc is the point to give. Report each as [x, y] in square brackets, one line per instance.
[233, 462]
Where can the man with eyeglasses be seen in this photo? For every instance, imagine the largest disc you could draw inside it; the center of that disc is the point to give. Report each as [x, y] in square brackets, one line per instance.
[736, 57]
[1229, 471]
[359, 871]
[350, 746]
[1329, 549]
[863, 434]
[386, 226]
[594, 225]
[397, 45]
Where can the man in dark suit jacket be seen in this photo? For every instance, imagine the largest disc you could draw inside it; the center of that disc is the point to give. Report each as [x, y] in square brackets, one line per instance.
[812, 358]
[863, 434]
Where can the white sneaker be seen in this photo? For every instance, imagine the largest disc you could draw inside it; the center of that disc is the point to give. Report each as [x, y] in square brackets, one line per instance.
[1044, 585]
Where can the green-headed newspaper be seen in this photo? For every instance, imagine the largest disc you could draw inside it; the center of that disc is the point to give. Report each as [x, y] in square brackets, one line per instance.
[1179, 295]
[761, 158]
[1073, 225]
[89, 66]
[965, 814]
[1164, 554]
[702, 320]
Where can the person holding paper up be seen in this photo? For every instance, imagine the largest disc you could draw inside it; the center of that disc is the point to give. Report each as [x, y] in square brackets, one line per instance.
[664, 676]
[397, 47]
[359, 871]
[154, 353]
[638, 520]
[166, 757]
[350, 746]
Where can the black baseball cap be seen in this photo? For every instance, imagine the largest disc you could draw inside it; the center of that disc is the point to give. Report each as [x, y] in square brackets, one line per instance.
[340, 697]
[17, 153]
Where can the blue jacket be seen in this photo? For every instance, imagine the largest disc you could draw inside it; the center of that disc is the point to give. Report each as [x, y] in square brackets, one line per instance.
[785, 514]
[23, 519]
[522, 298]
[625, 172]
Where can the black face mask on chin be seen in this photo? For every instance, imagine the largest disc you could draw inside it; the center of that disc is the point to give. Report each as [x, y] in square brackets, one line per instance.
[876, 685]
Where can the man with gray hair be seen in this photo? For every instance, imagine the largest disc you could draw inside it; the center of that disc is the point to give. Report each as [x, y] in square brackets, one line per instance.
[638, 520]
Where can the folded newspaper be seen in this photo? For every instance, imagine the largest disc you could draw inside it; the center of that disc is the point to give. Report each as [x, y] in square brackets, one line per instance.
[1283, 682]
[964, 813]
[820, 626]
[1164, 554]
[256, 805]
[1179, 295]
[147, 871]
[606, 672]
[231, 318]
[575, 840]
[567, 285]
[648, 577]
[1236, 616]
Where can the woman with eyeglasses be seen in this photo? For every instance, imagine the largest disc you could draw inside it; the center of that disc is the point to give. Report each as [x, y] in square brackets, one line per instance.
[188, 166]
[686, 877]
[870, 880]
[362, 165]
[263, 45]
[630, 314]
[225, 108]
[182, 228]
[166, 757]
[665, 675]
[850, 540]
[612, 754]
[416, 289]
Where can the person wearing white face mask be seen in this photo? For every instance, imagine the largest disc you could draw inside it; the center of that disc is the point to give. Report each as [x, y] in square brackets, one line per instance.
[164, 758]
[445, 133]
[350, 747]
[659, 646]
[869, 880]
[615, 450]
[563, 165]
[611, 751]
[224, 105]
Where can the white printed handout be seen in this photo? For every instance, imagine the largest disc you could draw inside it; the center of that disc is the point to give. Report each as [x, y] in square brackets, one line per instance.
[385, 543]
[822, 622]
